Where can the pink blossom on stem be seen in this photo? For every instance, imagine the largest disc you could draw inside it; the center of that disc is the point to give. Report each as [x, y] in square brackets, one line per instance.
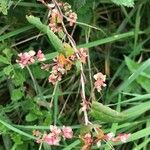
[85, 105]
[26, 59]
[57, 72]
[83, 55]
[67, 132]
[109, 136]
[121, 138]
[52, 79]
[52, 139]
[40, 56]
[88, 138]
[55, 130]
[100, 81]
[55, 19]
[72, 18]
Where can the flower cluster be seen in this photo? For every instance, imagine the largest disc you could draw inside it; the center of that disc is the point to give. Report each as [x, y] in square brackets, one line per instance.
[89, 139]
[120, 138]
[85, 105]
[59, 68]
[56, 18]
[100, 81]
[71, 16]
[63, 64]
[55, 135]
[28, 58]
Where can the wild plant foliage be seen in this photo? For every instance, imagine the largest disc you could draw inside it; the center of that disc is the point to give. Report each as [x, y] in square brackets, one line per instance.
[74, 74]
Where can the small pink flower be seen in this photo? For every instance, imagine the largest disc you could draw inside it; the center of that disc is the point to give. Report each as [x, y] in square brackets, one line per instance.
[121, 138]
[100, 81]
[57, 72]
[55, 130]
[85, 105]
[40, 56]
[83, 55]
[100, 76]
[110, 135]
[52, 79]
[26, 59]
[55, 19]
[88, 139]
[67, 132]
[52, 139]
[72, 18]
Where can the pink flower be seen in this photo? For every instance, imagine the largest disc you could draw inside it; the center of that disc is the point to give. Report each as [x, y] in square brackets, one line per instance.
[85, 105]
[109, 136]
[72, 18]
[40, 56]
[100, 81]
[83, 55]
[55, 130]
[121, 138]
[67, 132]
[26, 59]
[100, 76]
[57, 72]
[52, 139]
[55, 19]
[52, 79]
[88, 139]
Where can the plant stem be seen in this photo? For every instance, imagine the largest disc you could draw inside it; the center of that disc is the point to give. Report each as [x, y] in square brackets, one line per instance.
[32, 77]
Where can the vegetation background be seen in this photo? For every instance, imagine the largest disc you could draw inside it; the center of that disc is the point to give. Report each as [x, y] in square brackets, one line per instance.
[117, 33]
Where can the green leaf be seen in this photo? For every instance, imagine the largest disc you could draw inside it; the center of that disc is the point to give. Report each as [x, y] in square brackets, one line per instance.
[4, 60]
[105, 114]
[128, 3]
[48, 118]
[31, 117]
[4, 6]
[8, 53]
[143, 79]
[9, 126]
[132, 78]
[56, 42]
[16, 94]
[140, 134]
[8, 70]
[137, 110]
[16, 138]
[19, 77]
[68, 50]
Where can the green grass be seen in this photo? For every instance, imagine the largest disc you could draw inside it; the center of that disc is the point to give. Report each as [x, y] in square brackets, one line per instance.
[118, 41]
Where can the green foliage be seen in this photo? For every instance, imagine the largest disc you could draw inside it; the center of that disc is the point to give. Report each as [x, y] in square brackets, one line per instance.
[4, 60]
[31, 117]
[109, 33]
[106, 114]
[143, 78]
[16, 94]
[4, 6]
[55, 41]
[128, 3]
